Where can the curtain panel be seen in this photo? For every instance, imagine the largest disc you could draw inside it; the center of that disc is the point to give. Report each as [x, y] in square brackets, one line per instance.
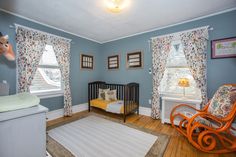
[62, 51]
[160, 52]
[195, 47]
[30, 47]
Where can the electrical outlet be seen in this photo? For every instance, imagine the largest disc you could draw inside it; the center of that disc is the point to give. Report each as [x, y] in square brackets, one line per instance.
[4, 81]
[150, 101]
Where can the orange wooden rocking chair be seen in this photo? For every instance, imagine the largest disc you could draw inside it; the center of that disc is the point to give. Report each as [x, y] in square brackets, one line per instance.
[210, 129]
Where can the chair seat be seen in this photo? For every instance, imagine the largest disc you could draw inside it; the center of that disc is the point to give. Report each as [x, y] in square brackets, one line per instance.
[233, 131]
[201, 120]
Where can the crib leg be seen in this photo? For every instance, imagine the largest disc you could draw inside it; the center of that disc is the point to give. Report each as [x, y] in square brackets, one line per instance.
[137, 111]
[124, 118]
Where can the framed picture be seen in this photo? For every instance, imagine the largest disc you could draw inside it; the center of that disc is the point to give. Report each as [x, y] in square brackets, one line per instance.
[134, 60]
[223, 48]
[113, 62]
[86, 61]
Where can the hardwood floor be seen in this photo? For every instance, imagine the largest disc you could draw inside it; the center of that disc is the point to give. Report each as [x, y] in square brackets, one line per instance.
[178, 145]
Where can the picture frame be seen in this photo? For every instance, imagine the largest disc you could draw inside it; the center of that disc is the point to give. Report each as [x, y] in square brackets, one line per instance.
[223, 48]
[113, 62]
[134, 60]
[86, 61]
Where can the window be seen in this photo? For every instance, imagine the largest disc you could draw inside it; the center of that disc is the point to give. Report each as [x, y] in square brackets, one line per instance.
[177, 68]
[47, 79]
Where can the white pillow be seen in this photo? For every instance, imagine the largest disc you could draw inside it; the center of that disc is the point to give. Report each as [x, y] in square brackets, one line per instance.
[110, 95]
[101, 93]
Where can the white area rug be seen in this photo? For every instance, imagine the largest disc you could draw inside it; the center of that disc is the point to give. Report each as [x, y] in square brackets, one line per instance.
[97, 137]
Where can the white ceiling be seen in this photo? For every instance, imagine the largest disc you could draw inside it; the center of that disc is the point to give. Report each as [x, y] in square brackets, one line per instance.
[90, 19]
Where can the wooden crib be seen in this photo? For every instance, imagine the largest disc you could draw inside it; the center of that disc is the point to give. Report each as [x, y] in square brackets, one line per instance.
[128, 93]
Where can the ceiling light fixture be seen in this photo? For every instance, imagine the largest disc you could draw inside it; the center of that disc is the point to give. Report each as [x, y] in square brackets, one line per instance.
[115, 6]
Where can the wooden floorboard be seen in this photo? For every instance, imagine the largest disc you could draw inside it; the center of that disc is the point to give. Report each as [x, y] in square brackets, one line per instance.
[178, 145]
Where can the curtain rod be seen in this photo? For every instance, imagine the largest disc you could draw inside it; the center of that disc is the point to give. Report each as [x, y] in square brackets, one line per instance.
[177, 33]
[18, 25]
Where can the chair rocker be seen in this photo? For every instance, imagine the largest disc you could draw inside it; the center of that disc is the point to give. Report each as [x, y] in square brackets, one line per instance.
[210, 129]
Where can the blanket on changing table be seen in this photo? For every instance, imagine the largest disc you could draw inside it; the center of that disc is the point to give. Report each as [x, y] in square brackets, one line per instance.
[18, 101]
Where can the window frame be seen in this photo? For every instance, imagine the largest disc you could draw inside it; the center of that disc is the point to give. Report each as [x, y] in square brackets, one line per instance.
[49, 93]
[177, 95]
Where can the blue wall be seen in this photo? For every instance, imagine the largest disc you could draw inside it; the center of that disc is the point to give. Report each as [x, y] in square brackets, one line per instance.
[219, 71]
[79, 78]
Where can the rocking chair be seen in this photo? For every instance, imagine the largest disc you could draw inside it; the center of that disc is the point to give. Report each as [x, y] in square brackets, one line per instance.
[210, 129]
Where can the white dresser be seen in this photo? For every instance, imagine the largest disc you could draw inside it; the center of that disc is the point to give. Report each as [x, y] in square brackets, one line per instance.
[168, 103]
[23, 132]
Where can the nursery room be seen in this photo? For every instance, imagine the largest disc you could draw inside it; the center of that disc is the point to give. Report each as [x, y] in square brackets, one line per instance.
[117, 78]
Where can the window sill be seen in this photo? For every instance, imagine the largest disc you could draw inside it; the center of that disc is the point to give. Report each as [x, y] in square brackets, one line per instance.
[180, 96]
[51, 94]
[182, 100]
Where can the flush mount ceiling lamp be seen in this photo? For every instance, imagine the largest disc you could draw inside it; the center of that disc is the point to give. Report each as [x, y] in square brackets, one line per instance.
[116, 6]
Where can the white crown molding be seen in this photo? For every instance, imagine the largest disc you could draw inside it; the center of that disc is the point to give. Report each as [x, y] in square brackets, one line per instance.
[175, 24]
[106, 41]
[83, 107]
[50, 26]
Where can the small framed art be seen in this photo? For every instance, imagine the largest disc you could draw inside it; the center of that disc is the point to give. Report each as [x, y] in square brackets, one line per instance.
[113, 62]
[134, 60]
[86, 61]
[223, 48]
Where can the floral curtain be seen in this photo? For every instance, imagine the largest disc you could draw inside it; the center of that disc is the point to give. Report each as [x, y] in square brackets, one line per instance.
[62, 51]
[30, 46]
[194, 47]
[160, 51]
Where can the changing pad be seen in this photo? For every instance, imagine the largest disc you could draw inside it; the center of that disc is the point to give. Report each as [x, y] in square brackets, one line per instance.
[18, 101]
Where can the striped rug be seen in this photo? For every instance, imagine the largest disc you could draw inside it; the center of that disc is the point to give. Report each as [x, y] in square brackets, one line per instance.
[94, 136]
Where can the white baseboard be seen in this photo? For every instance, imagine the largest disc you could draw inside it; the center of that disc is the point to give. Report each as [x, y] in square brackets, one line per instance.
[60, 112]
[83, 107]
[145, 111]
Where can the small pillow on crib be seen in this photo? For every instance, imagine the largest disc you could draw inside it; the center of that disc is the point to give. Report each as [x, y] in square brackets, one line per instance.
[101, 93]
[110, 95]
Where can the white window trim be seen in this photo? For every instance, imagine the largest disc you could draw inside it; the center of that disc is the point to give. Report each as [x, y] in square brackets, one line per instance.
[48, 93]
[173, 95]
[43, 94]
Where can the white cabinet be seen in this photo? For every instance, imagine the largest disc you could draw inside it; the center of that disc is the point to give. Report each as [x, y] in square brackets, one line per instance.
[168, 103]
[23, 132]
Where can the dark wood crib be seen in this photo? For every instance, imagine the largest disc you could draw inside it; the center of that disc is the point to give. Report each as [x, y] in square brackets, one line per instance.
[128, 93]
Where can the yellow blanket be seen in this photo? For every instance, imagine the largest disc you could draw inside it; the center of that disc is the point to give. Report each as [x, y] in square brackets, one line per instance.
[103, 104]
